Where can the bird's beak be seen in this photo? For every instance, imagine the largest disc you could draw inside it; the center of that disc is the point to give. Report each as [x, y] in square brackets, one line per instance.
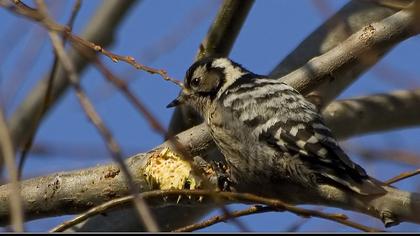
[178, 101]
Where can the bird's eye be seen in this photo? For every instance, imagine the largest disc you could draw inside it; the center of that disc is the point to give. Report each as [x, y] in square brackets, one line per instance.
[195, 82]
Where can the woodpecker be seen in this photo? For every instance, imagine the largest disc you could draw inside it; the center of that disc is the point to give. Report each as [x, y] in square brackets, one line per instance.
[271, 136]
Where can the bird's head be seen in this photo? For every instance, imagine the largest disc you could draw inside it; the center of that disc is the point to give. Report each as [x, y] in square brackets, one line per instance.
[206, 80]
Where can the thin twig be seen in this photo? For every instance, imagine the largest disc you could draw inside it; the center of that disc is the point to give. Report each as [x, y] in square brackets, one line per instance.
[92, 212]
[32, 13]
[8, 155]
[101, 29]
[227, 197]
[78, 41]
[295, 226]
[125, 89]
[218, 42]
[166, 44]
[154, 123]
[402, 176]
[48, 97]
[27, 61]
[112, 145]
[222, 218]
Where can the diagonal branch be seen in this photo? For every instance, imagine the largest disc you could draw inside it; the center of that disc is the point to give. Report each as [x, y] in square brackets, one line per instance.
[8, 154]
[112, 145]
[359, 47]
[403, 176]
[33, 128]
[218, 42]
[100, 30]
[348, 20]
[400, 203]
[54, 194]
[95, 119]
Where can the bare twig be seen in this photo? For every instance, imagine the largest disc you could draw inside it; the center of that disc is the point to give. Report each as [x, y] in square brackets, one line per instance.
[403, 210]
[227, 197]
[295, 226]
[155, 124]
[34, 14]
[166, 44]
[218, 42]
[23, 67]
[94, 186]
[48, 97]
[125, 89]
[346, 21]
[92, 212]
[402, 176]
[27, 61]
[222, 218]
[112, 145]
[95, 119]
[101, 29]
[8, 155]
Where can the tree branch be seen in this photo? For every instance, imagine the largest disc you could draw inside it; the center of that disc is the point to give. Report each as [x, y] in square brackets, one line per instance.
[373, 113]
[197, 197]
[403, 176]
[398, 203]
[346, 57]
[218, 42]
[100, 30]
[348, 20]
[256, 209]
[357, 13]
[73, 192]
[77, 191]
[8, 154]
[33, 128]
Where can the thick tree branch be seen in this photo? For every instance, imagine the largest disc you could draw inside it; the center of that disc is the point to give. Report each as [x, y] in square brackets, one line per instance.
[54, 191]
[373, 113]
[358, 48]
[351, 18]
[356, 13]
[73, 192]
[218, 42]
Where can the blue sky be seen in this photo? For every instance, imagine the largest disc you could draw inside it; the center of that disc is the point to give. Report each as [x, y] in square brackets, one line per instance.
[271, 31]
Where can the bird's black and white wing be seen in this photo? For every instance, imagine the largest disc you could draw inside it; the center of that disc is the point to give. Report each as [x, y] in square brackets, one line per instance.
[279, 115]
